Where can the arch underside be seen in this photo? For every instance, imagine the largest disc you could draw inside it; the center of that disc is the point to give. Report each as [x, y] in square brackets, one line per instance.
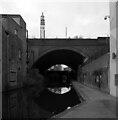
[68, 57]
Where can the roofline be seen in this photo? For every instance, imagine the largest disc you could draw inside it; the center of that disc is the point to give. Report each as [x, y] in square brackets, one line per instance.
[69, 38]
[13, 15]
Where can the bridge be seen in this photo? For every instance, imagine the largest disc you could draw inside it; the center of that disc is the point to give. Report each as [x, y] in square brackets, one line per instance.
[44, 53]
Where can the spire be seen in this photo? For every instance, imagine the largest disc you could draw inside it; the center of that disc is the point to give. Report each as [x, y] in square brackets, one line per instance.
[42, 14]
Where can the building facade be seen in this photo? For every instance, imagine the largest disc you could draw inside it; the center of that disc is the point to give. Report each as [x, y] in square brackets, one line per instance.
[0, 54]
[113, 48]
[13, 51]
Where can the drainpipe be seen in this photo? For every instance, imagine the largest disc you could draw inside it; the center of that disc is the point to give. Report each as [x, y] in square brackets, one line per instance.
[8, 66]
[27, 50]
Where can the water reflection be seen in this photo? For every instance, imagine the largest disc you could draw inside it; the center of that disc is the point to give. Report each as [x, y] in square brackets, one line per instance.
[37, 103]
[20, 104]
[60, 90]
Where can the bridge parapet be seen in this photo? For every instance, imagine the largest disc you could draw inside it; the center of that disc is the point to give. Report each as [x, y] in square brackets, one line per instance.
[66, 42]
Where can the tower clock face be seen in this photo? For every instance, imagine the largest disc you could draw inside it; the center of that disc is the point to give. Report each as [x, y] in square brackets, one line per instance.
[42, 27]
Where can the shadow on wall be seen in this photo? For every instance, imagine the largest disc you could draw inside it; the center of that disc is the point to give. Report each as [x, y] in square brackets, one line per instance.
[97, 79]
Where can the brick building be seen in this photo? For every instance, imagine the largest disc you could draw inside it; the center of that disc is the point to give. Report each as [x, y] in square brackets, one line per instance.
[13, 51]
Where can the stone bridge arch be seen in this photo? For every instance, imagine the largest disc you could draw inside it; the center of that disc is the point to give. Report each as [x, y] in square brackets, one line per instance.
[60, 55]
[77, 50]
[88, 48]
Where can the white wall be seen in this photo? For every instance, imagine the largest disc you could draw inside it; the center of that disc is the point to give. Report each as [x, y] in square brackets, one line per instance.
[0, 54]
[117, 45]
[0, 68]
[113, 43]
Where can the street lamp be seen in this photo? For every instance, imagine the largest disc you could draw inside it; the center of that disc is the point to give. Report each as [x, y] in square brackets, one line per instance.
[113, 54]
[106, 17]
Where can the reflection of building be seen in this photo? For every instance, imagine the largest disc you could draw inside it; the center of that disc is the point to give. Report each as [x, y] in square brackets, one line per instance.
[13, 51]
[67, 69]
[58, 68]
[42, 27]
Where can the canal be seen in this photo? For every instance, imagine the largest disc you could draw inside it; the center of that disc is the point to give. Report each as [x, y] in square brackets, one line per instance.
[33, 102]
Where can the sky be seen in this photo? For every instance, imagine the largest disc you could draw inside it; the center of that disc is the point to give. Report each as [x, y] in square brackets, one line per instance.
[82, 18]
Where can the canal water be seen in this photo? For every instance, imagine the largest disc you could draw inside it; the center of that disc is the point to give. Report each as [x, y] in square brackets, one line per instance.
[34, 102]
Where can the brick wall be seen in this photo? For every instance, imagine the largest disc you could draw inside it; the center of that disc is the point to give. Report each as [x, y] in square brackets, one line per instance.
[13, 53]
[95, 74]
[4, 60]
[12, 62]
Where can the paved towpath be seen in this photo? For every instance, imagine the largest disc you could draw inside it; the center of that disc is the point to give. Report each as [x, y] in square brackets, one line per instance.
[97, 104]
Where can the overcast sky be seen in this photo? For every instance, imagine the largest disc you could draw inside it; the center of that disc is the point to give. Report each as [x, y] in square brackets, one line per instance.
[81, 18]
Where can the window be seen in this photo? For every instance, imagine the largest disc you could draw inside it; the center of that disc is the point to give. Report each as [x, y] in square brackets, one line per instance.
[15, 32]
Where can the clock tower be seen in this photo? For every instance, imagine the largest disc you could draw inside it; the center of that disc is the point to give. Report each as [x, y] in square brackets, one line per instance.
[42, 27]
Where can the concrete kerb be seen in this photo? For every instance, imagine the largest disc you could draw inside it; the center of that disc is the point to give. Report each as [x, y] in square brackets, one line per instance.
[81, 93]
[67, 111]
[84, 100]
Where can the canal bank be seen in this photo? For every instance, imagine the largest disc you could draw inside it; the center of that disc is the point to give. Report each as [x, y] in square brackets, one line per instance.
[33, 102]
[96, 105]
